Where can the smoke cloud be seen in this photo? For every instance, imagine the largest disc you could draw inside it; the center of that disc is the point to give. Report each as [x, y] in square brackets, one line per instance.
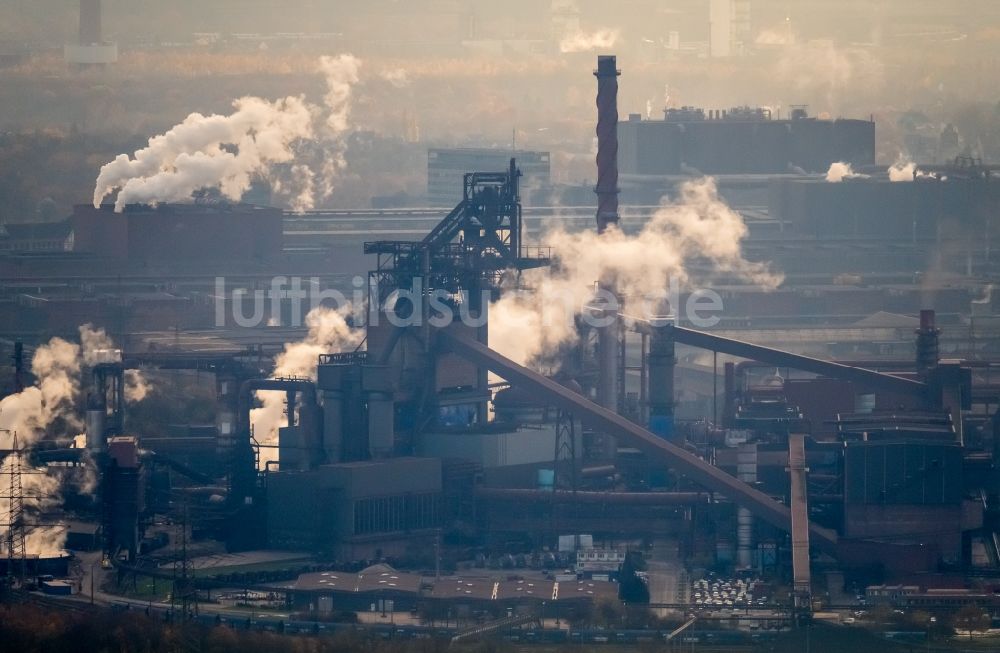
[580, 41]
[96, 347]
[57, 366]
[223, 152]
[51, 405]
[227, 153]
[30, 412]
[329, 332]
[137, 387]
[41, 492]
[698, 227]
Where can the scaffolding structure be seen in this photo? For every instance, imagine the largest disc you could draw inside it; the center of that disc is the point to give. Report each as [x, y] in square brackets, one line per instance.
[14, 526]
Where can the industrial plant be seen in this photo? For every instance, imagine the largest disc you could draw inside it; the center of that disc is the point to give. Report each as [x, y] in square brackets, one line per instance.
[744, 383]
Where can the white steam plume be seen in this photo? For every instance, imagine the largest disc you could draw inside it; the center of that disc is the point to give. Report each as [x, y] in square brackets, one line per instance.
[398, 77]
[41, 492]
[905, 170]
[223, 152]
[329, 332]
[698, 226]
[137, 387]
[30, 412]
[775, 36]
[580, 41]
[839, 171]
[96, 346]
[260, 139]
[57, 365]
[341, 75]
[902, 171]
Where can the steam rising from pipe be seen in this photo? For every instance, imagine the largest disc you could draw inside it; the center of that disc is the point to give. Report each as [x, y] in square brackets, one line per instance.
[901, 171]
[31, 413]
[696, 227]
[329, 332]
[223, 152]
[137, 387]
[602, 39]
[341, 75]
[260, 139]
[905, 170]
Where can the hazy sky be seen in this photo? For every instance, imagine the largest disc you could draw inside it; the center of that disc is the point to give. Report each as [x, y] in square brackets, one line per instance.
[850, 20]
[473, 73]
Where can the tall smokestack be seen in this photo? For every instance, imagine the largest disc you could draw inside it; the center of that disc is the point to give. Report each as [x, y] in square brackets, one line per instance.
[90, 22]
[607, 141]
[927, 343]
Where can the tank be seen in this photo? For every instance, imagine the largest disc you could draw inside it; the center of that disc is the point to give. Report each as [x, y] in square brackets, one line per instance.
[377, 385]
[333, 425]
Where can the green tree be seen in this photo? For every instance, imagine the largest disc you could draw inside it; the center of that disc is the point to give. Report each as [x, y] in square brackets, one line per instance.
[971, 618]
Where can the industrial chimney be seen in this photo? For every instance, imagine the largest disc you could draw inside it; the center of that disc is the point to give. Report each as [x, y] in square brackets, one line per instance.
[609, 385]
[607, 141]
[90, 48]
[90, 22]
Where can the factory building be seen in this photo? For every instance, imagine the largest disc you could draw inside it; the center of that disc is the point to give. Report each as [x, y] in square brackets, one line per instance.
[740, 141]
[356, 510]
[213, 231]
[36, 237]
[926, 208]
[871, 460]
[381, 586]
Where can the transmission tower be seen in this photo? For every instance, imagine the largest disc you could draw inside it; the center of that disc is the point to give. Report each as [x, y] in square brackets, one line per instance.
[184, 590]
[15, 529]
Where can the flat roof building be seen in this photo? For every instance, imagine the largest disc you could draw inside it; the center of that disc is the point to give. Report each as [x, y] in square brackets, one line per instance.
[741, 140]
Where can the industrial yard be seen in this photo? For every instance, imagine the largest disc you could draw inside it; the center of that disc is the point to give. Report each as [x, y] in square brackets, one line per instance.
[688, 378]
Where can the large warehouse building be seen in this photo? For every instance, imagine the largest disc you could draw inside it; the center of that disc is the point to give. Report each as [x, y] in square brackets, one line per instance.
[178, 231]
[740, 141]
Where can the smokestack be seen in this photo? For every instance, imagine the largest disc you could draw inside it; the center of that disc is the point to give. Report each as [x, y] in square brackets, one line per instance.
[90, 22]
[927, 342]
[607, 141]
